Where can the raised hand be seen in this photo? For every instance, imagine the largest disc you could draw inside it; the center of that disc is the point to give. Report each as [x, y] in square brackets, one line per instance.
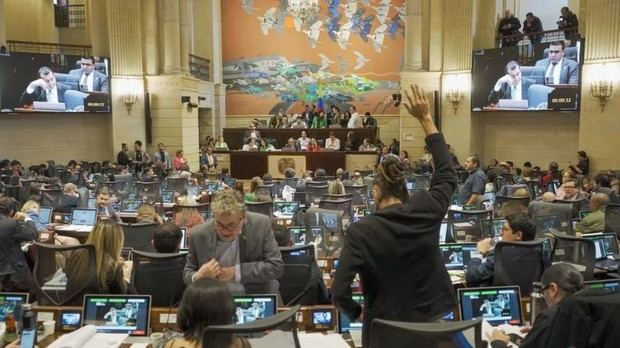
[418, 106]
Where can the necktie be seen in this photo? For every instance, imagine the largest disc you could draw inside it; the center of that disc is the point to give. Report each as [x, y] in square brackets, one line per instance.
[551, 76]
[85, 83]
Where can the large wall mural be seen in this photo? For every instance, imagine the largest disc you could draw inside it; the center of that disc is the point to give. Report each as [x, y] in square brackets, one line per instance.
[350, 53]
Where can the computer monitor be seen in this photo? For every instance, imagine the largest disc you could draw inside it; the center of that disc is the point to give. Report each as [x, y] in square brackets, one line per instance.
[128, 314]
[335, 263]
[45, 215]
[605, 244]
[298, 235]
[456, 256]
[212, 186]
[130, 205]
[285, 208]
[249, 308]
[497, 305]
[410, 185]
[167, 197]
[344, 323]
[498, 226]
[230, 182]
[92, 203]
[84, 217]
[11, 302]
[610, 285]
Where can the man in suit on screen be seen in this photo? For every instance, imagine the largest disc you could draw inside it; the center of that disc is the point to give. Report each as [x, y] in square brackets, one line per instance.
[511, 86]
[44, 89]
[559, 70]
[91, 80]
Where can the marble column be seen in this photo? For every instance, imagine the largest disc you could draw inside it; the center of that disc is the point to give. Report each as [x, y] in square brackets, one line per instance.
[413, 35]
[484, 20]
[150, 31]
[171, 36]
[185, 25]
[216, 60]
[2, 26]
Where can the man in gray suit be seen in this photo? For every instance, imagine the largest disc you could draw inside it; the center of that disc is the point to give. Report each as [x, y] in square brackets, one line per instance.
[91, 79]
[235, 247]
[559, 70]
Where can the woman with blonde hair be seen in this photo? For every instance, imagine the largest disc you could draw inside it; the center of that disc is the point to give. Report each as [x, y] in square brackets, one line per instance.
[107, 238]
[147, 214]
[336, 187]
[188, 215]
[32, 209]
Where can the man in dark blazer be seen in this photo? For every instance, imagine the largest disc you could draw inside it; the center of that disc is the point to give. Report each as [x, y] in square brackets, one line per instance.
[236, 247]
[15, 228]
[559, 70]
[91, 79]
[44, 89]
[511, 86]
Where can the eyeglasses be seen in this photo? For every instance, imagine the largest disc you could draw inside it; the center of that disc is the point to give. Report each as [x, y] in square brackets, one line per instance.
[228, 227]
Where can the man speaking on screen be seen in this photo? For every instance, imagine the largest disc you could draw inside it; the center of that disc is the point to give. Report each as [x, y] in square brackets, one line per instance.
[559, 70]
[510, 86]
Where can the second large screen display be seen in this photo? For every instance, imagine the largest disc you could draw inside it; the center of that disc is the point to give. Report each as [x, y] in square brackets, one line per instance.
[527, 78]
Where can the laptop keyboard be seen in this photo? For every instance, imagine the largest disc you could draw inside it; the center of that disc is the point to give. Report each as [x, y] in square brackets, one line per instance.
[607, 264]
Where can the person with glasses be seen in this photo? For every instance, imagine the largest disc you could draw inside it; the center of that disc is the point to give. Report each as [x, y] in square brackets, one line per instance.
[559, 282]
[91, 79]
[235, 247]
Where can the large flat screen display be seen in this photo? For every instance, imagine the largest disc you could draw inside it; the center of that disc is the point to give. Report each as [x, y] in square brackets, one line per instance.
[31, 82]
[527, 78]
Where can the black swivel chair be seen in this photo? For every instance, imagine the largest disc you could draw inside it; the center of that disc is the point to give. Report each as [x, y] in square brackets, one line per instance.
[159, 275]
[265, 208]
[612, 218]
[534, 187]
[422, 181]
[360, 193]
[344, 205]
[501, 200]
[520, 263]
[397, 334]
[296, 280]
[51, 197]
[264, 191]
[139, 236]
[576, 206]
[285, 321]
[178, 185]
[576, 251]
[315, 192]
[148, 191]
[562, 211]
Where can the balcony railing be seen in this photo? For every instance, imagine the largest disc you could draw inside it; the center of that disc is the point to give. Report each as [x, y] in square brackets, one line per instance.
[538, 37]
[70, 16]
[199, 68]
[46, 47]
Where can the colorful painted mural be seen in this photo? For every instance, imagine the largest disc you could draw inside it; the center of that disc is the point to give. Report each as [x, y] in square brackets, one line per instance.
[350, 53]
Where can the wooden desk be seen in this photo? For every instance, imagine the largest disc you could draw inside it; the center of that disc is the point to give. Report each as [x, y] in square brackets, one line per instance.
[234, 136]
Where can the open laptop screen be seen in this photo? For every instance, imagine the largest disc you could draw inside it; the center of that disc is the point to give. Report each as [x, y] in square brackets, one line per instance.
[84, 217]
[605, 244]
[167, 197]
[344, 323]
[130, 205]
[45, 215]
[11, 303]
[118, 313]
[497, 305]
[456, 256]
[285, 208]
[250, 308]
[298, 235]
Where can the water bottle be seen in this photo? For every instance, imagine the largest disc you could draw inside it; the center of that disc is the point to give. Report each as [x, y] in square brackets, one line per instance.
[537, 301]
[28, 318]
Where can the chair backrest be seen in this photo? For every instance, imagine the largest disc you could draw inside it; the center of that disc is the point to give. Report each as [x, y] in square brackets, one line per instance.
[159, 275]
[178, 185]
[509, 189]
[534, 187]
[501, 200]
[360, 193]
[612, 218]
[265, 208]
[520, 263]
[24, 190]
[344, 205]
[51, 197]
[422, 181]
[562, 211]
[298, 254]
[285, 321]
[315, 192]
[538, 96]
[575, 206]
[397, 334]
[295, 283]
[264, 190]
[51, 285]
[336, 197]
[148, 191]
[576, 251]
[139, 236]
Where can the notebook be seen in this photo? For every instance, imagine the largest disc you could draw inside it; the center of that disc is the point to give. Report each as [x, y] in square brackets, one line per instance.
[354, 329]
[82, 220]
[285, 209]
[249, 308]
[122, 314]
[45, 215]
[497, 305]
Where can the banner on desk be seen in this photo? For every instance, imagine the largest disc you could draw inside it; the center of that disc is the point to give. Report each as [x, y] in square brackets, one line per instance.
[278, 164]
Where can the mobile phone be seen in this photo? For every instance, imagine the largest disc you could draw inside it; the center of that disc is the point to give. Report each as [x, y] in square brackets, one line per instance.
[28, 338]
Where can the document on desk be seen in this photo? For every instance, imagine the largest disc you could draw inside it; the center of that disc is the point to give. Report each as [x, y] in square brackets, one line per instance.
[317, 339]
[88, 337]
[487, 329]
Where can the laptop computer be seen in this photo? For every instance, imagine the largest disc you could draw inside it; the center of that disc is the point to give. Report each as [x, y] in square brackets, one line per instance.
[82, 220]
[249, 308]
[610, 285]
[11, 302]
[167, 198]
[456, 256]
[513, 104]
[126, 314]
[546, 223]
[285, 209]
[497, 305]
[130, 205]
[212, 186]
[298, 235]
[605, 251]
[346, 326]
[45, 215]
[48, 106]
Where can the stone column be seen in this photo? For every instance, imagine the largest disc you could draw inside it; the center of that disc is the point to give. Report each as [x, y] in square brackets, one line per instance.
[150, 31]
[216, 61]
[98, 27]
[171, 36]
[185, 25]
[484, 29]
[413, 35]
[2, 26]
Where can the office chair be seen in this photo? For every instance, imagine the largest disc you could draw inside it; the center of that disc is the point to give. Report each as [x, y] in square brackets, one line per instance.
[562, 211]
[285, 321]
[538, 96]
[115, 187]
[264, 191]
[576, 206]
[612, 218]
[148, 191]
[533, 187]
[178, 185]
[397, 334]
[24, 190]
[344, 205]
[315, 192]
[159, 275]
[51, 197]
[422, 181]
[139, 236]
[520, 263]
[577, 251]
[507, 200]
[360, 193]
[508, 190]
[74, 100]
[10, 190]
[337, 197]
[265, 208]
[295, 283]
[48, 272]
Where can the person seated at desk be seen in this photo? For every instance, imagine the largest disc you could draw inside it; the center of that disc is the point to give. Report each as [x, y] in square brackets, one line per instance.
[104, 205]
[188, 216]
[251, 195]
[167, 238]
[559, 70]
[205, 302]
[350, 143]
[15, 228]
[367, 145]
[44, 89]
[511, 86]
[313, 146]
[209, 159]
[220, 144]
[601, 184]
[332, 143]
[107, 238]
[299, 122]
[319, 121]
[516, 228]
[70, 198]
[250, 146]
[265, 146]
[572, 193]
[91, 79]
[283, 123]
[595, 221]
[148, 175]
[179, 160]
[147, 214]
[251, 133]
[303, 141]
[559, 282]
[291, 146]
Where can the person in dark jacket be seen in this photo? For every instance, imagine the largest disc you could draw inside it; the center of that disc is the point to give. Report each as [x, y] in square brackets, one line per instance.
[509, 26]
[532, 28]
[559, 282]
[395, 251]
